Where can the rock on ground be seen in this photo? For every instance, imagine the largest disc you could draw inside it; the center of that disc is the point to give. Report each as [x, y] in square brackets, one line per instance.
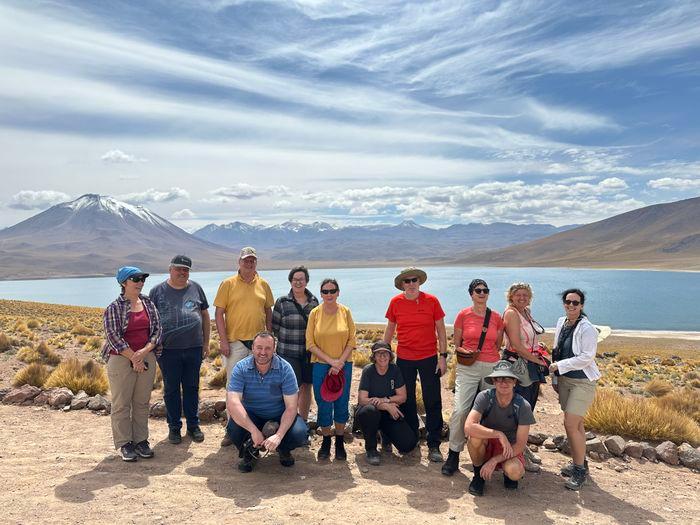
[60, 397]
[689, 456]
[615, 445]
[634, 449]
[79, 401]
[23, 395]
[596, 445]
[668, 453]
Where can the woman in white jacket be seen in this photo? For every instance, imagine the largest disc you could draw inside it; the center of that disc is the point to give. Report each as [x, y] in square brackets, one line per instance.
[575, 376]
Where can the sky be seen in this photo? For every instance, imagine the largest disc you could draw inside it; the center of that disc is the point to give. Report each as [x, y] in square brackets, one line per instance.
[350, 112]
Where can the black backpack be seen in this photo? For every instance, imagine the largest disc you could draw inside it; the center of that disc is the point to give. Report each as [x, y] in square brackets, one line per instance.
[517, 403]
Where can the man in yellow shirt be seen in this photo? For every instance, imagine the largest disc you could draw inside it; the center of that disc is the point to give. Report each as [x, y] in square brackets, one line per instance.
[243, 308]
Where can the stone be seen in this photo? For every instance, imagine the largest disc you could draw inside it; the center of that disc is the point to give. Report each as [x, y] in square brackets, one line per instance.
[689, 456]
[533, 448]
[23, 395]
[549, 444]
[220, 406]
[537, 438]
[4, 392]
[595, 445]
[668, 453]
[79, 401]
[97, 402]
[41, 399]
[207, 412]
[649, 452]
[609, 355]
[558, 440]
[158, 409]
[634, 449]
[615, 445]
[564, 447]
[590, 435]
[60, 397]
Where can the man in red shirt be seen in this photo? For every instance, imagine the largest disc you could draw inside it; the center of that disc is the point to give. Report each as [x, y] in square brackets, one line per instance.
[419, 323]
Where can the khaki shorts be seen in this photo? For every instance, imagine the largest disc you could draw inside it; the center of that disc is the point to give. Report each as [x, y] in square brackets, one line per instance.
[576, 395]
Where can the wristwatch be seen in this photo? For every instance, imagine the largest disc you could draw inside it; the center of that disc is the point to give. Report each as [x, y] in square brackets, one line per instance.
[443, 354]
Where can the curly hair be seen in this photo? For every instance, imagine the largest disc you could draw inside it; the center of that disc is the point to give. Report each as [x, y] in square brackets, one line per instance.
[515, 287]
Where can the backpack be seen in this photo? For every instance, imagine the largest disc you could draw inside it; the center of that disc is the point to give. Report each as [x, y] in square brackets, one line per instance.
[517, 403]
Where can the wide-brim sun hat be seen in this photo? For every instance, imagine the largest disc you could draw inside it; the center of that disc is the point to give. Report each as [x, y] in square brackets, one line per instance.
[411, 271]
[501, 369]
[332, 386]
[381, 346]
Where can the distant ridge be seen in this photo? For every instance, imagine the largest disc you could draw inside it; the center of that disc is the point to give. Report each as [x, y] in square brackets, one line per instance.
[659, 236]
[94, 235]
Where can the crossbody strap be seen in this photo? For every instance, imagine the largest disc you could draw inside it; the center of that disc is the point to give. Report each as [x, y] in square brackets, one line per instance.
[484, 329]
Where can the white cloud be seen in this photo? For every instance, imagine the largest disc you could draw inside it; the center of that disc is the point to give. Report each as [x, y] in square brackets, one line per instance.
[670, 183]
[152, 195]
[559, 118]
[36, 200]
[244, 191]
[184, 213]
[116, 156]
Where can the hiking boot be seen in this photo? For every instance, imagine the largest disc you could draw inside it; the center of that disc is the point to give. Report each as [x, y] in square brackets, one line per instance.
[387, 447]
[325, 451]
[435, 455]
[568, 469]
[246, 463]
[476, 487]
[196, 434]
[174, 436]
[128, 453]
[451, 464]
[577, 479]
[226, 440]
[531, 461]
[340, 453]
[373, 457]
[510, 484]
[286, 458]
[144, 450]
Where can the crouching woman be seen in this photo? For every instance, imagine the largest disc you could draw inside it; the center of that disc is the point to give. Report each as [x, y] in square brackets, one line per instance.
[381, 391]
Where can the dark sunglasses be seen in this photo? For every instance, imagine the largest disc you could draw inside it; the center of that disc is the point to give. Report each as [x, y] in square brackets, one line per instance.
[138, 279]
[574, 303]
[411, 280]
[329, 292]
[481, 290]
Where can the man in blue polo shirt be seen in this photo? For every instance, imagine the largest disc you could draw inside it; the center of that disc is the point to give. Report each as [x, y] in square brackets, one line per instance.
[263, 388]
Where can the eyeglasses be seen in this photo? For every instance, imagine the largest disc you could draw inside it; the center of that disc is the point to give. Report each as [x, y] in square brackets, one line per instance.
[574, 303]
[329, 292]
[481, 290]
[411, 280]
[138, 279]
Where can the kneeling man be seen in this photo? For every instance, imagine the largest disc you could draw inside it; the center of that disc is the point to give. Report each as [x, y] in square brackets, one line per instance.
[498, 427]
[263, 388]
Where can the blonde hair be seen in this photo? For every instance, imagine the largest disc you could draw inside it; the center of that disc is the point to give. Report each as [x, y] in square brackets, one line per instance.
[514, 288]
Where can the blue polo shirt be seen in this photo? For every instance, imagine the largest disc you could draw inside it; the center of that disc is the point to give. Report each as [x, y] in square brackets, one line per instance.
[262, 394]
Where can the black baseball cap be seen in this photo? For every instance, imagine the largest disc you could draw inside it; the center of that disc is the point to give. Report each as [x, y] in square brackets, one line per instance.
[181, 261]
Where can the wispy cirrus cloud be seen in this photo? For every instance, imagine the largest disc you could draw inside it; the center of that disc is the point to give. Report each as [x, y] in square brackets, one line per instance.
[36, 200]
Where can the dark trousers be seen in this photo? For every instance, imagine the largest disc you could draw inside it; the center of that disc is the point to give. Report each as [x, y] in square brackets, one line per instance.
[372, 420]
[432, 399]
[297, 435]
[180, 369]
[530, 393]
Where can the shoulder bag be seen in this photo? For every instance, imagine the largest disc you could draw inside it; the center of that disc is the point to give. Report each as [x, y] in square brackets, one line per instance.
[468, 358]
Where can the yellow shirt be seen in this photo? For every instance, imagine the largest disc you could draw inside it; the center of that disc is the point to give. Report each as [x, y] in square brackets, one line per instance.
[245, 305]
[332, 333]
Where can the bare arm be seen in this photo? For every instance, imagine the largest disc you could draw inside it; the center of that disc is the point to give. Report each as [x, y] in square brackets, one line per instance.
[206, 332]
[389, 331]
[219, 316]
[511, 320]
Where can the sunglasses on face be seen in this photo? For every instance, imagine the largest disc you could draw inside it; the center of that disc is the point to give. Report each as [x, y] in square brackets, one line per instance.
[329, 292]
[138, 279]
[481, 290]
[410, 280]
[574, 303]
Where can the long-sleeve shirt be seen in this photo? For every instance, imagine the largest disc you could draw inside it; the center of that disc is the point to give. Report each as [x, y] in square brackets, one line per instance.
[289, 325]
[116, 321]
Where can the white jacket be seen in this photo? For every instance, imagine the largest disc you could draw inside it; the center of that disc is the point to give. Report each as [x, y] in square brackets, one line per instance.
[584, 346]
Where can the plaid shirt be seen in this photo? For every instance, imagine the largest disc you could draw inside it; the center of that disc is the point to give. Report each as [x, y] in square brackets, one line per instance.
[116, 321]
[289, 326]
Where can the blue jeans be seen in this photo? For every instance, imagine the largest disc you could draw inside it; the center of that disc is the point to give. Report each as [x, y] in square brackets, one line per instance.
[180, 369]
[297, 435]
[338, 410]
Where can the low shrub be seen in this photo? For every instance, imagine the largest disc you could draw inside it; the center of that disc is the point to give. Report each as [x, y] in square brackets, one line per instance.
[32, 323]
[28, 354]
[5, 342]
[219, 379]
[658, 387]
[218, 363]
[158, 379]
[34, 374]
[420, 404]
[683, 400]
[214, 351]
[640, 418]
[80, 329]
[625, 360]
[360, 357]
[48, 356]
[72, 374]
[93, 343]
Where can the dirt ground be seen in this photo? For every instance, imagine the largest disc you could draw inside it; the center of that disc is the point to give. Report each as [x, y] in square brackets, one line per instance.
[59, 467]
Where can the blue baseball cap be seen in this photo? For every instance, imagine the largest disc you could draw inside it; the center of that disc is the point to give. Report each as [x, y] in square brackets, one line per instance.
[125, 272]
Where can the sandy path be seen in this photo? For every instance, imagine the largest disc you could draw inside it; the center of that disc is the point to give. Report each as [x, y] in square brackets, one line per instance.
[58, 467]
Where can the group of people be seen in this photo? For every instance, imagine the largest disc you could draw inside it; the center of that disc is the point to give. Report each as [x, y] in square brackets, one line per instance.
[276, 353]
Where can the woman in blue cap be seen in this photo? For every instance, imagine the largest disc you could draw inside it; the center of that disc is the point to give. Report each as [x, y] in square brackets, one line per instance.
[132, 333]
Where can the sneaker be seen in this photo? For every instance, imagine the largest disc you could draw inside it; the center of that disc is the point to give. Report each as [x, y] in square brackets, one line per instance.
[476, 487]
[373, 457]
[144, 450]
[435, 455]
[196, 434]
[128, 453]
[174, 436]
[510, 484]
[577, 479]
[226, 441]
[286, 458]
[568, 469]
[451, 464]
[531, 461]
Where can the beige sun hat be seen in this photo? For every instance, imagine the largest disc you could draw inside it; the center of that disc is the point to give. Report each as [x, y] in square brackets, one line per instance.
[411, 271]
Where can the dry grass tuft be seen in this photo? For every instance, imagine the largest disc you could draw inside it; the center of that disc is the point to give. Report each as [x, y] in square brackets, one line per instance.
[73, 374]
[640, 418]
[5, 342]
[625, 360]
[28, 355]
[658, 387]
[694, 383]
[218, 363]
[420, 404]
[80, 329]
[93, 343]
[214, 351]
[33, 323]
[35, 374]
[219, 379]
[360, 357]
[48, 356]
[683, 400]
[158, 379]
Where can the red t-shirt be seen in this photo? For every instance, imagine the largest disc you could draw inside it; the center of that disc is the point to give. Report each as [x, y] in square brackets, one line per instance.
[137, 331]
[415, 325]
[471, 325]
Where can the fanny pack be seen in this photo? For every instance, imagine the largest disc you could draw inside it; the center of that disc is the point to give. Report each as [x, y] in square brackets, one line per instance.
[468, 358]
